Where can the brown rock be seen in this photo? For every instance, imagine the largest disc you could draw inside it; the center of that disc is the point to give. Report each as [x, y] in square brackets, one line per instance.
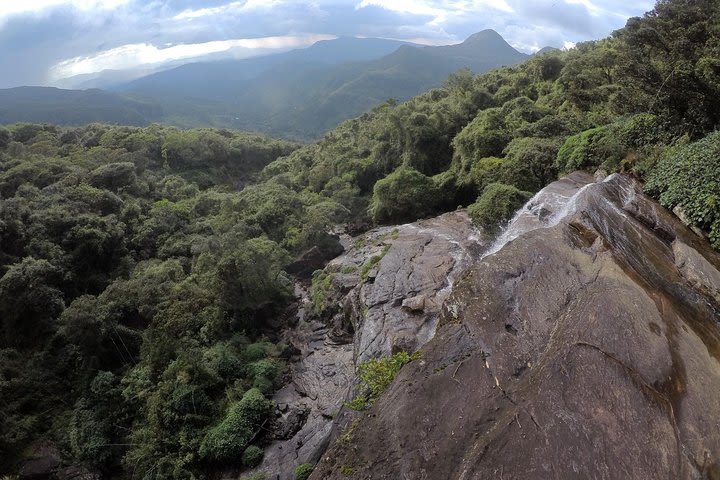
[587, 347]
[395, 307]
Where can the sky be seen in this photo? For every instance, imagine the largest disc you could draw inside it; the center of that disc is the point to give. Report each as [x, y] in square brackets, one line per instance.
[44, 42]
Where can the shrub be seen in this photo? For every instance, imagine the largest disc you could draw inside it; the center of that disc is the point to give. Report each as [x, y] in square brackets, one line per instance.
[321, 290]
[376, 375]
[302, 472]
[606, 146]
[230, 438]
[497, 204]
[264, 373]
[113, 176]
[372, 261]
[530, 163]
[590, 149]
[252, 456]
[405, 194]
[690, 179]
[485, 171]
[486, 136]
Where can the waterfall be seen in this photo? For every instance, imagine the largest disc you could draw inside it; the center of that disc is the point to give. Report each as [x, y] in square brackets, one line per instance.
[546, 209]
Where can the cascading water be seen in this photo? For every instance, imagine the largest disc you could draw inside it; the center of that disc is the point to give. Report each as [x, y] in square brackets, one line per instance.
[546, 209]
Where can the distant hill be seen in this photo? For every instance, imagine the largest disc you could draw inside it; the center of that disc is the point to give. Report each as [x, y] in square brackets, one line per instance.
[305, 104]
[222, 80]
[74, 107]
[304, 93]
[545, 50]
[299, 94]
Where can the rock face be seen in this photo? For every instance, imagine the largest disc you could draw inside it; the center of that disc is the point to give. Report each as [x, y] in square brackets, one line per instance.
[408, 273]
[385, 294]
[584, 345]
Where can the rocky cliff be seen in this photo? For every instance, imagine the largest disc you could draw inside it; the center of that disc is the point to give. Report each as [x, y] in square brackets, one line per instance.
[382, 295]
[583, 344]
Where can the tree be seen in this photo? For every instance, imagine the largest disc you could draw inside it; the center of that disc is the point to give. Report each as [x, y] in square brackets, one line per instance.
[405, 194]
[496, 205]
[29, 302]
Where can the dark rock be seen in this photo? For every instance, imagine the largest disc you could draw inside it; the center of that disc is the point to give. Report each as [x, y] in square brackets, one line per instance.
[315, 258]
[585, 345]
[291, 421]
[77, 473]
[43, 462]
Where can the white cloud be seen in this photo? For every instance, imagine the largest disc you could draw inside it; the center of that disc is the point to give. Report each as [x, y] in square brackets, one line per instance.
[592, 8]
[230, 8]
[440, 11]
[18, 7]
[142, 54]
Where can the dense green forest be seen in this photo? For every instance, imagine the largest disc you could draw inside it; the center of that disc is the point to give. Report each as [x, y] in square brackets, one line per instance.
[142, 269]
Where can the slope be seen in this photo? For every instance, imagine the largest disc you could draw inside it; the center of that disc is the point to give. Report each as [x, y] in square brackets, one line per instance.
[74, 107]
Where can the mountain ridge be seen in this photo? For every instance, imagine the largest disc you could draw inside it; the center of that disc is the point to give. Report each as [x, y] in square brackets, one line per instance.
[299, 94]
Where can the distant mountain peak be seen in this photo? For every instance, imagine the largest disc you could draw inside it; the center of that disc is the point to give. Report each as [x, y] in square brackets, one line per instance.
[545, 50]
[485, 36]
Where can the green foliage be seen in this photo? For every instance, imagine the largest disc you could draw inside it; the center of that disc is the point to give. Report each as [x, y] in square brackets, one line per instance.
[303, 471]
[124, 282]
[321, 290]
[405, 194]
[530, 163]
[689, 178]
[609, 145]
[371, 262]
[252, 456]
[590, 149]
[376, 375]
[496, 205]
[29, 300]
[486, 136]
[230, 438]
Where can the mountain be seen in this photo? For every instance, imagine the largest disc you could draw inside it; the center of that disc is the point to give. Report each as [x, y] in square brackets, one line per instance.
[105, 79]
[299, 94]
[74, 107]
[304, 93]
[221, 80]
[306, 104]
[545, 50]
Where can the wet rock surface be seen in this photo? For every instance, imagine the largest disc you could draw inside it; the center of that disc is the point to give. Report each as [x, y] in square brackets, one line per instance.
[585, 345]
[385, 294]
[393, 283]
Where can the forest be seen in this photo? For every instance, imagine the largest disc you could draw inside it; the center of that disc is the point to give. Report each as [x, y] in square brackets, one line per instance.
[143, 270]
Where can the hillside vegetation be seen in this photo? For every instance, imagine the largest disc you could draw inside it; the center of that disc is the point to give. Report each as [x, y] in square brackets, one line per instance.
[140, 286]
[74, 107]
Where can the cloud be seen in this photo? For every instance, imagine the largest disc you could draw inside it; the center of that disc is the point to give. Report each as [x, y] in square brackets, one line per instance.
[41, 40]
[230, 8]
[143, 54]
[9, 8]
[440, 11]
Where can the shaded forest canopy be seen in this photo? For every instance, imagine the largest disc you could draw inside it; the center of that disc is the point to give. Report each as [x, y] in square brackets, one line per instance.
[142, 269]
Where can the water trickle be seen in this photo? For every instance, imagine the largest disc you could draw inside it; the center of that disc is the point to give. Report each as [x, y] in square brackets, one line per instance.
[546, 209]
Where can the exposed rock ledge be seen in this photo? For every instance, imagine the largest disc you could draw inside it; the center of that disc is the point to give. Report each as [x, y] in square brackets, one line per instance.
[409, 271]
[584, 346]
